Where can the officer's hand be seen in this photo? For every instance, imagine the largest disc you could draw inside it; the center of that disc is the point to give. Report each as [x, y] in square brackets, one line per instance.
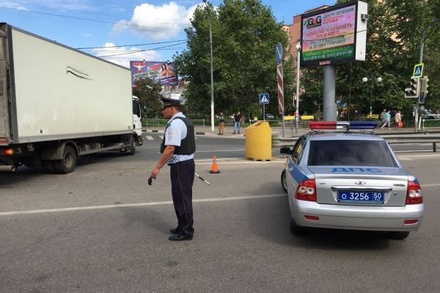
[154, 173]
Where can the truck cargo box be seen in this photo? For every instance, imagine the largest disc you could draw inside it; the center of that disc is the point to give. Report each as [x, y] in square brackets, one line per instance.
[57, 92]
[58, 103]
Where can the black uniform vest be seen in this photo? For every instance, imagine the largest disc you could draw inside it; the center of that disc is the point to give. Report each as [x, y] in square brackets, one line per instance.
[188, 144]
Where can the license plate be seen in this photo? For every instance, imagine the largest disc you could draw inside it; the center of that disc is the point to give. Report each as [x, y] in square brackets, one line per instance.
[361, 196]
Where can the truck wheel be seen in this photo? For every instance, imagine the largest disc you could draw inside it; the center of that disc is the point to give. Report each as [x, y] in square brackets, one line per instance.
[14, 165]
[132, 148]
[68, 163]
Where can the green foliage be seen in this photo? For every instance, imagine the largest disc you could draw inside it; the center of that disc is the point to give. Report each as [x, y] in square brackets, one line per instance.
[244, 37]
[245, 34]
[148, 93]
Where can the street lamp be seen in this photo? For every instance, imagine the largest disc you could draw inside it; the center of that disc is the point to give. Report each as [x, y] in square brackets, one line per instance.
[298, 60]
[365, 79]
[212, 73]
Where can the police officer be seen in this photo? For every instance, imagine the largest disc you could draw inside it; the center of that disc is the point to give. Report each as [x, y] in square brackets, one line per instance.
[178, 148]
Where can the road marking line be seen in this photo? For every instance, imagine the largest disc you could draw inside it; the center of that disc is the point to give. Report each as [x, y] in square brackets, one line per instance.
[430, 185]
[131, 205]
[219, 150]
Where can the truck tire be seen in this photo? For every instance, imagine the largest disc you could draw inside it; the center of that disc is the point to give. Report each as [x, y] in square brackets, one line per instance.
[68, 163]
[132, 148]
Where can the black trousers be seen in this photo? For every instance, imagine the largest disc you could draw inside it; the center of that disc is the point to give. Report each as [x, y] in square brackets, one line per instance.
[182, 179]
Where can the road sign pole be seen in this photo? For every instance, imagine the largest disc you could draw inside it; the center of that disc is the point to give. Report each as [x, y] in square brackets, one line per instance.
[280, 81]
[280, 93]
[264, 112]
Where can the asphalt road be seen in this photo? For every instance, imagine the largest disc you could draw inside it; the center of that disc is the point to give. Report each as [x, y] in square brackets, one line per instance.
[103, 229]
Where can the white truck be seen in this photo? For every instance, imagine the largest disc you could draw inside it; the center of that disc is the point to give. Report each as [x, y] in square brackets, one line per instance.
[58, 103]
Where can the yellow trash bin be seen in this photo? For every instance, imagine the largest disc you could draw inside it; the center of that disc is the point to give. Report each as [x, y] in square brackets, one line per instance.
[259, 141]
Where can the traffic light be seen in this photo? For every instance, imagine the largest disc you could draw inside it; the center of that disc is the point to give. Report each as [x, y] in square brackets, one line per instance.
[423, 89]
[414, 89]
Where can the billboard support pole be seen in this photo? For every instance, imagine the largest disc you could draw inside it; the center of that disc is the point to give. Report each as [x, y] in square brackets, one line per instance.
[329, 93]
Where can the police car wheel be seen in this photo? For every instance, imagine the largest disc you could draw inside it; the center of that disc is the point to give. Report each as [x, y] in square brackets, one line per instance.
[398, 235]
[295, 229]
[284, 180]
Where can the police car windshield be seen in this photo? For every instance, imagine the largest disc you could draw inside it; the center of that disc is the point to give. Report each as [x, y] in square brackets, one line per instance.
[350, 153]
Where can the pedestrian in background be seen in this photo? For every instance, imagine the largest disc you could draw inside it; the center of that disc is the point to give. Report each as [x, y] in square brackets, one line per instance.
[382, 116]
[387, 120]
[177, 149]
[221, 124]
[237, 121]
[398, 119]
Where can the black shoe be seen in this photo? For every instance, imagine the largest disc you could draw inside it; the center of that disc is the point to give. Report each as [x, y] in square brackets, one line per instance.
[180, 237]
[175, 231]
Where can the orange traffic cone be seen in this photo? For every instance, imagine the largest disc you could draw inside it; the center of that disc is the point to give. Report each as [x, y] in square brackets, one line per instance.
[214, 168]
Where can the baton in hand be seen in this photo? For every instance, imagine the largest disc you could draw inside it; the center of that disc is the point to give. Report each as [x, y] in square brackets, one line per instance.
[198, 176]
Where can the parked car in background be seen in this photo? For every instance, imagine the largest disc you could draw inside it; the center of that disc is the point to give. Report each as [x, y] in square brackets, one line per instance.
[426, 114]
[269, 116]
[349, 180]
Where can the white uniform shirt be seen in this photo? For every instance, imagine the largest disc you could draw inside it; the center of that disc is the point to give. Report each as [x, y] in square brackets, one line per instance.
[174, 134]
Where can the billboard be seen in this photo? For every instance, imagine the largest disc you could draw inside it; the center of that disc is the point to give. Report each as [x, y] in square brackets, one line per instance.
[334, 35]
[160, 72]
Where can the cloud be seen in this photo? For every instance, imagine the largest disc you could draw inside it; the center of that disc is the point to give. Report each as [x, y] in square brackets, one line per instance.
[157, 22]
[123, 55]
[77, 5]
[12, 5]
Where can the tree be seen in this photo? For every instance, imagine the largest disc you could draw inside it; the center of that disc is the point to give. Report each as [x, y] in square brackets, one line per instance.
[416, 20]
[245, 35]
[148, 93]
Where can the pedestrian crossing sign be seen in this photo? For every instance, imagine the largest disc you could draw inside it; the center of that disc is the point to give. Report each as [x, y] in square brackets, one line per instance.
[418, 70]
[264, 99]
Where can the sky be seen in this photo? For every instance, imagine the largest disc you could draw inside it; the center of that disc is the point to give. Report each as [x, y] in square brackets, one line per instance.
[124, 31]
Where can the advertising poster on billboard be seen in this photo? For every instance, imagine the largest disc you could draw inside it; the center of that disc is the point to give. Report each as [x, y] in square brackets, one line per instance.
[161, 72]
[329, 37]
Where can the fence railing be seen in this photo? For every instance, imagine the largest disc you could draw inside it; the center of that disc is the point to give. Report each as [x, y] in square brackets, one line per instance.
[430, 138]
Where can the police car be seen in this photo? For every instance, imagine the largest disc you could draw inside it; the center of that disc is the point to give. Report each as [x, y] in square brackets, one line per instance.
[343, 176]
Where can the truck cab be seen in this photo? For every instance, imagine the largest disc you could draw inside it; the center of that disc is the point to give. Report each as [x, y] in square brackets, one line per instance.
[138, 111]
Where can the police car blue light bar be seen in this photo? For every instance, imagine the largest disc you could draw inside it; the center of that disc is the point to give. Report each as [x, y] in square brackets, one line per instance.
[348, 125]
[362, 125]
